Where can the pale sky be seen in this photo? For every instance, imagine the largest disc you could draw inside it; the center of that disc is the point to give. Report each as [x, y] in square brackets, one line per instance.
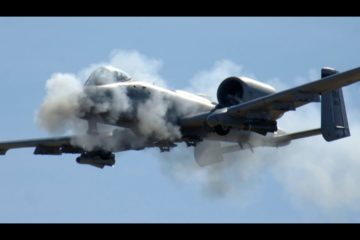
[141, 187]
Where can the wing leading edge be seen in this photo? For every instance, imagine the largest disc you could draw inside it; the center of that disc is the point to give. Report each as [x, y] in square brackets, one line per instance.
[53, 143]
[116, 141]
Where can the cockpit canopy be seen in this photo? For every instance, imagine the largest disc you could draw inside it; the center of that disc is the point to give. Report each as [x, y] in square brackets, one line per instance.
[105, 75]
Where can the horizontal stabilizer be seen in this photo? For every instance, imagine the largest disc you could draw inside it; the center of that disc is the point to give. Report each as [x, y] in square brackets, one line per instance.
[286, 138]
[276, 141]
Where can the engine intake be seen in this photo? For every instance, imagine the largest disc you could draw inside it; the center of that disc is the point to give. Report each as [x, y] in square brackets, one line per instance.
[235, 90]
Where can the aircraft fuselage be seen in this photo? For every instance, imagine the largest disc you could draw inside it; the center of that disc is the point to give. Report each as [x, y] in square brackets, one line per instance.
[125, 104]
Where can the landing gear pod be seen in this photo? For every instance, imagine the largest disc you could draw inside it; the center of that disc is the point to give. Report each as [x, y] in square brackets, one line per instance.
[98, 159]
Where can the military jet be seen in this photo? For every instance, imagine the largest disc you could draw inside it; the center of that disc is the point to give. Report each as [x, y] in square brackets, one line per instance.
[245, 117]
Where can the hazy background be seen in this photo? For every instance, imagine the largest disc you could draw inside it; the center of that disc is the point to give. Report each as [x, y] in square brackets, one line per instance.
[309, 181]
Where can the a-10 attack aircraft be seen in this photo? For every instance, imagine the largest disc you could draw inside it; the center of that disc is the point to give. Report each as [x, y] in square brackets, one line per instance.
[246, 116]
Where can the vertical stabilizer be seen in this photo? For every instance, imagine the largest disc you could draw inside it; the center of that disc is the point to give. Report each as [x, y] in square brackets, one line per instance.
[334, 123]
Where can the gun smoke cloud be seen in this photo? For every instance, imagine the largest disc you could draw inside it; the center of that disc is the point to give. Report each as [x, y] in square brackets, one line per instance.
[310, 171]
[58, 111]
[61, 106]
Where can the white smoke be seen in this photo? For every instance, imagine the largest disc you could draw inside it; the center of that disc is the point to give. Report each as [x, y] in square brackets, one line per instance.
[139, 66]
[58, 111]
[119, 103]
[319, 173]
[65, 100]
[152, 120]
[311, 171]
[207, 81]
[235, 177]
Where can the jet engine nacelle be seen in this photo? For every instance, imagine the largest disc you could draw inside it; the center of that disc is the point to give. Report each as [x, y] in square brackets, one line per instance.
[235, 90]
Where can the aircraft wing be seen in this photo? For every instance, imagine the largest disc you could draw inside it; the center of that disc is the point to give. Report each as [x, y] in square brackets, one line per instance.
[49, 143]
[260, 114]
[293, 98]
[119, 140]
